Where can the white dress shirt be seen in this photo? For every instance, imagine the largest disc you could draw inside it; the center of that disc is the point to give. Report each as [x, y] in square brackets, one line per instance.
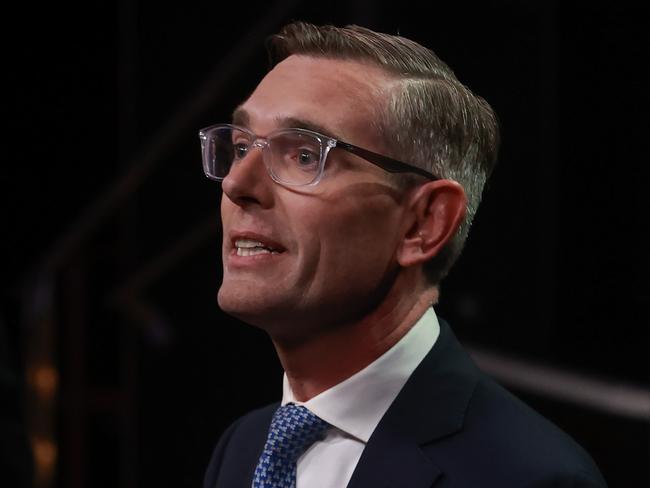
[355, 406]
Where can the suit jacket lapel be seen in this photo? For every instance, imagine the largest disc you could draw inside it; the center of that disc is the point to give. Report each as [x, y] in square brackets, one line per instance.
[431, 405]
[392, 460]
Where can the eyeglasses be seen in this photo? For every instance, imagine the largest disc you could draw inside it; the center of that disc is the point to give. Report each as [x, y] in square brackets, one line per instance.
[293, 157]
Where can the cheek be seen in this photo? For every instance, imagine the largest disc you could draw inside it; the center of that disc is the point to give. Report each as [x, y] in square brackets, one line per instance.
[353, 239]
[226, 207]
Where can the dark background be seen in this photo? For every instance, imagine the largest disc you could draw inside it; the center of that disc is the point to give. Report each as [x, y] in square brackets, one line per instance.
[110, 247]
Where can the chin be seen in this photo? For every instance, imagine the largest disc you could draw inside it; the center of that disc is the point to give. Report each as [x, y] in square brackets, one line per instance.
[253, 307]
[274, 314]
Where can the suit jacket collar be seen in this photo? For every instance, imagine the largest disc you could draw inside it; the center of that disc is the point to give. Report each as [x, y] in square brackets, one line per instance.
[431, 406]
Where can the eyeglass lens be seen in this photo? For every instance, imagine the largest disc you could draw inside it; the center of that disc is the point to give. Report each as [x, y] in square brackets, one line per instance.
[292, 157]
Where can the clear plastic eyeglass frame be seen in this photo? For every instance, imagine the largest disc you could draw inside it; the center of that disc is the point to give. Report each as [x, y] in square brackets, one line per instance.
[326, 144]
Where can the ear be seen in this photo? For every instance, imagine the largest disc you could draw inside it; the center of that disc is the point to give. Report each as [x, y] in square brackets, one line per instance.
[436, 210]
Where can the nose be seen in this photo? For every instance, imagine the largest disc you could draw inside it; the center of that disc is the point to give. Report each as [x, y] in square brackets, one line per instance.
[248, 182]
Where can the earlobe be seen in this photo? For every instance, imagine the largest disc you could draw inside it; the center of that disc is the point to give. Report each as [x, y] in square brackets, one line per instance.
[437, 209]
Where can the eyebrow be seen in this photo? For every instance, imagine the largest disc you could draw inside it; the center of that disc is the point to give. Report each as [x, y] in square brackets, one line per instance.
[241, 117]
[293, 122]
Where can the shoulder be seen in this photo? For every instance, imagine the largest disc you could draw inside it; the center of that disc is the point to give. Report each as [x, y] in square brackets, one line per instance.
[239, 447]
[506, 440]
[483, 432]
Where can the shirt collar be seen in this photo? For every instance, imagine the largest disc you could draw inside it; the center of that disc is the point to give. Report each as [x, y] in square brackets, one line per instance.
[357, 404]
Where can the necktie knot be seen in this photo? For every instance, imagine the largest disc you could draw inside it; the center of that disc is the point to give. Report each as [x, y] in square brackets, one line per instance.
[293, 429]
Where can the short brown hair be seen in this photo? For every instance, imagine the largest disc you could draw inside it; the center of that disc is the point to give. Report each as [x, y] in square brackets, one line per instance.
[430, 119]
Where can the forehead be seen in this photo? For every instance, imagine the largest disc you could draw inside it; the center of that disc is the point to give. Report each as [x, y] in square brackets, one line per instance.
[341, 96]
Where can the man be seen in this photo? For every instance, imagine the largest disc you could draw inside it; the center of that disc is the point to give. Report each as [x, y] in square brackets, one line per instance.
[350, 177]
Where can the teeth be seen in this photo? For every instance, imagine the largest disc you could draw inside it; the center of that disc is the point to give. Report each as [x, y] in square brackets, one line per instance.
[247, 243]
[249, 247]
[243, 251]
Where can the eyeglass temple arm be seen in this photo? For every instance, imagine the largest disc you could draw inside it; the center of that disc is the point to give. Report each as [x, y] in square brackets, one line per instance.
[389, 164]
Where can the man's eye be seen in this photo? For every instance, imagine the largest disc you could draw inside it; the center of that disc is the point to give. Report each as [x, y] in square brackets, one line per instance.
[306, 157]
[240, 150]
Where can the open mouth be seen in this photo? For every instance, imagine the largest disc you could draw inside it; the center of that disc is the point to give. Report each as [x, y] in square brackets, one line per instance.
[250, 247]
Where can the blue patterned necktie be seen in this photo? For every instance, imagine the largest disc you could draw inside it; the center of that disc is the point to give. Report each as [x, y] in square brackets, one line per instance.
[293, 429]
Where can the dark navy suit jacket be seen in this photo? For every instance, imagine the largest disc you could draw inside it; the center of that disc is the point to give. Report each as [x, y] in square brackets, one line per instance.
[450, 426]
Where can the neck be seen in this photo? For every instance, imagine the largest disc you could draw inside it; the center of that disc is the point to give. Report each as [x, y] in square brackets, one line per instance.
[317, 363]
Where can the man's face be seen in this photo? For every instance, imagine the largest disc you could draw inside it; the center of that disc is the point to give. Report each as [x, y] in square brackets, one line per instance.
[333, 245]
